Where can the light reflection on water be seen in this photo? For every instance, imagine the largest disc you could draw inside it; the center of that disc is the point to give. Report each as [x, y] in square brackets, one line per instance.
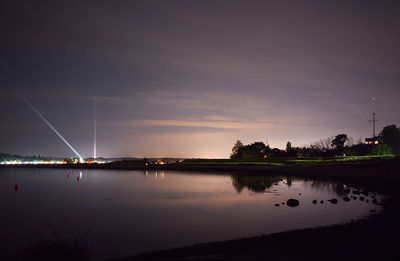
[134, 211]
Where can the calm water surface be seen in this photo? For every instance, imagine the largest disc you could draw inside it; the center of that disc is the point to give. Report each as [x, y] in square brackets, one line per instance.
[126, 212]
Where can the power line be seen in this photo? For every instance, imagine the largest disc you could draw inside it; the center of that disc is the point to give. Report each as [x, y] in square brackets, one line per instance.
[373, 124]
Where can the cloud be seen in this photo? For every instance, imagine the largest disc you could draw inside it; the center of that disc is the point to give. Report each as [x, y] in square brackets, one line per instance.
[224, 125]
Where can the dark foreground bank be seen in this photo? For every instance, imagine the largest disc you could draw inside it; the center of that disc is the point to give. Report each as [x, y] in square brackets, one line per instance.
[373, 239]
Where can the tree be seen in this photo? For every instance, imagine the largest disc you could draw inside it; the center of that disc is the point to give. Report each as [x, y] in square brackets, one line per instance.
[390, 136]
[359, 149]
[291, 151]
[323, 145]
[236, 150]
[322, 148]
[288, 146]
[252, 152]
[381, 150]
[275, 152]
[338, 143]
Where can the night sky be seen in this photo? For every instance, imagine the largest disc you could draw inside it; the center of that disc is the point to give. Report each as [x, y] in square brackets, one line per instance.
[189, 78]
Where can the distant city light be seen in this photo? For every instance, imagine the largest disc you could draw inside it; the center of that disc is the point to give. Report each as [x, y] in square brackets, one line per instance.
[48, 162]
[16, 162]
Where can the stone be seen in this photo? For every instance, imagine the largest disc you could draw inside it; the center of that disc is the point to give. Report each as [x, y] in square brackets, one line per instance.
[277, 205]
[361, 198]
[364, 192]
[356, 192]
[333, 201]
[347, 199]
[292, 202]
[314, 201]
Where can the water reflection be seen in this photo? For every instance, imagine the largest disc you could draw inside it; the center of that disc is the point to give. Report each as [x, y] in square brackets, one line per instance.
[327, 187]
[157, 174]
[257, 184]
[289, 181]
[270, 184]
[260, 184]
[195, 207]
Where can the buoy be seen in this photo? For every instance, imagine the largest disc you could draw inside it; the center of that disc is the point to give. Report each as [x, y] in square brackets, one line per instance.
[16, 187]
[69, 175]
[78, 178]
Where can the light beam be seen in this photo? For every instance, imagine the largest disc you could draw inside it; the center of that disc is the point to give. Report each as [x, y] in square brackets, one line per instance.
[51, 126]
[95, 129]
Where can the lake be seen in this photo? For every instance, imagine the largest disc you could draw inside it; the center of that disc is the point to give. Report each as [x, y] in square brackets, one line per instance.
[127, 212]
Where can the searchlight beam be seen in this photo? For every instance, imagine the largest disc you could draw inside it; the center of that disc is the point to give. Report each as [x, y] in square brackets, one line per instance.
[51, 126]
[95, 129]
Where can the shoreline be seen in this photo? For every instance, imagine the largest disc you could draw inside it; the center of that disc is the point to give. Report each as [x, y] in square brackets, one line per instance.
[378, 174]
[367, 239]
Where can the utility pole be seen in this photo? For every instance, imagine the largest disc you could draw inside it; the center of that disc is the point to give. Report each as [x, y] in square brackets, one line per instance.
[373, 124]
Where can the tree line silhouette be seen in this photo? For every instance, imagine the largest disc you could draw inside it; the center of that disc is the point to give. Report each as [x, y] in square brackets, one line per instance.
[388, 143]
